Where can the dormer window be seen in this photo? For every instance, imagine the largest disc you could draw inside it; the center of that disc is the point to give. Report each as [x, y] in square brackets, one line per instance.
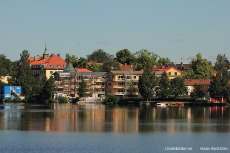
[51, 66]
[58, 66]
[64, 65]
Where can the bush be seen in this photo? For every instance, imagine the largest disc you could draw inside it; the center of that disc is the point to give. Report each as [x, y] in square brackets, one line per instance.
[17, 99]
[111, 98]
[8, 100]
[63, 100]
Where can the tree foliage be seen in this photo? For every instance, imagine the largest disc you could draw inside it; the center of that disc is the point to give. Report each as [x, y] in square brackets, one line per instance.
[132, 89]
[144, 58]
[163, 61]
[178, 87]
[125, 56]
[147, 83]
[163, 89]
[82, 88]
[22, 75]
[196, 93]
[99, 56]
[219, 84]
[199, 69]
[111, 65]
[95, 67]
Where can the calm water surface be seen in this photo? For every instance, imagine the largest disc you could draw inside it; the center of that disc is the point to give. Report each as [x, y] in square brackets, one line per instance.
[109, 128]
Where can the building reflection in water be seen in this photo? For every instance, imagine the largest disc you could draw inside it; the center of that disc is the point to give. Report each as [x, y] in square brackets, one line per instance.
[110, 118]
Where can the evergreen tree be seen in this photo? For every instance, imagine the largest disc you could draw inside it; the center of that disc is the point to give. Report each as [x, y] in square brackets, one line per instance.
[163, 89]
[178, 87]
[82, 88]
[147, 83]
[22, 76]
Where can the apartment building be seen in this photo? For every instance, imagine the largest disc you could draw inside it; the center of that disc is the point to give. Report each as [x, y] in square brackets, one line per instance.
[118, 82]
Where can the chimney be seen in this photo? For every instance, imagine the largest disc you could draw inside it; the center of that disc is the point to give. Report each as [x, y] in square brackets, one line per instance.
[58, 55]
[181, 63]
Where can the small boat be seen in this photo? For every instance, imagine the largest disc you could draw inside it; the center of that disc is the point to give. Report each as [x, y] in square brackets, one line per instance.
[162, 104]
[179, 104]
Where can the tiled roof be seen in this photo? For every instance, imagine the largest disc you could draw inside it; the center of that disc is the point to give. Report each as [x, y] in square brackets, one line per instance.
[197, 81]
[50, 62]
[126, 72]
[91, 62]
[125, 67]
[82, 70]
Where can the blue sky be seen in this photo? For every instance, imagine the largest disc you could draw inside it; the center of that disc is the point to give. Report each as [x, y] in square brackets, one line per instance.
[169, 28]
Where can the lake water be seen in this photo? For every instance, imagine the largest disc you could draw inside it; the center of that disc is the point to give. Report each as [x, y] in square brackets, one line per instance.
[109, 128]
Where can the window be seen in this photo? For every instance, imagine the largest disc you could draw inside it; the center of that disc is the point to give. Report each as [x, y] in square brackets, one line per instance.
[175, 73]
[51, 72]
[58, 66]
[128, 77]
[134, 77]
[109, 90]
[169, 73]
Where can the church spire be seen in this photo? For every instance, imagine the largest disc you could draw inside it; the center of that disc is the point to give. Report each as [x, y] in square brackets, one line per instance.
[45, 54]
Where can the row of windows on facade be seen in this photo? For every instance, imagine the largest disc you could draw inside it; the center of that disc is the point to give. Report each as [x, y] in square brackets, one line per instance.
[51, 66]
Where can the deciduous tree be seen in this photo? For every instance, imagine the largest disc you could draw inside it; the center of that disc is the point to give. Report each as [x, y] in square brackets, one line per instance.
[99, 56]
[147, 83]
[125, 56]
[144, 59]
[178, 87]
[163, 89]
[199, 69]
[22, 76]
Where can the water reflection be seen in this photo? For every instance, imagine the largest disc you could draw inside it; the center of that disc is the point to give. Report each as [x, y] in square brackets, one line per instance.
[110, 118]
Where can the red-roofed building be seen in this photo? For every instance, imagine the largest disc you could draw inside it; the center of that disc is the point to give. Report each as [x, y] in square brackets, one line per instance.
[46, 65]
[171, 71]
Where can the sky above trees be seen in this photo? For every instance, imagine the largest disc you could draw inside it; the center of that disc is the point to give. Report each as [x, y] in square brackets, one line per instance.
[172, 29]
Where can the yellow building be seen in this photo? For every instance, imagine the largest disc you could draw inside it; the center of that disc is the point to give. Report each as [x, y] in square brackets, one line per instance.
[171, 71]
[46, 65]
[118, 82]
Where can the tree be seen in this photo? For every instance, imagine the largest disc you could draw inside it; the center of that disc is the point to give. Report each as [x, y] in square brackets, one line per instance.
[132, 89]
[178, 87]
[111, 65]
[95, 67]
[73, 59]
[82, 88]
[144, 58]
[163, 89]
[199, 69]
[125, 56]
[99, 56]
[22, 75]
[196, 93]
[219, 84]
[47, 87]
[147, 83]
[163, 61]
